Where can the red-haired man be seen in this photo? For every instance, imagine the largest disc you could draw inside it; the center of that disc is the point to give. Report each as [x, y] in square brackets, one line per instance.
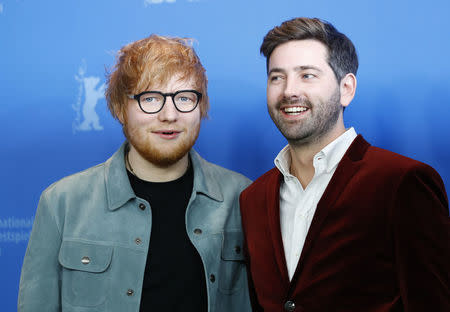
[155, 227]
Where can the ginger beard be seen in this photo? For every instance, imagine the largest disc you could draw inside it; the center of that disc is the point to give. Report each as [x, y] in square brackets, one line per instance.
[324, 115]
[158, 154]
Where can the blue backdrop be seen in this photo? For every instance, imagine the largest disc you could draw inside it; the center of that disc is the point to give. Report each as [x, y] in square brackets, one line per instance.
[55, 122]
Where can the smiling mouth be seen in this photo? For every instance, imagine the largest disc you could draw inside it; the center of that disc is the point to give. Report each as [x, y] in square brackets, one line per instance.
[168, 132]
[294, 110]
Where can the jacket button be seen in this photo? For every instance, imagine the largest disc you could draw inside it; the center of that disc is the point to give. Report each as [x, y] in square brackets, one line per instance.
[130, 292]
[289, 306]
[141, 206]
[237, 249]
[198, 231]
[85, 260]
[138, 241]
[212, 278]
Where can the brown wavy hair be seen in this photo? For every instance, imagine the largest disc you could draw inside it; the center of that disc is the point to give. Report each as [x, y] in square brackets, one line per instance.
[342, 56]
[153, 61]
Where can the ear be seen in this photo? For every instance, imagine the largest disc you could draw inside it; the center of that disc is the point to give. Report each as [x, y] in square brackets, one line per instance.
[120, 111]
[121, 115]
[347, 88]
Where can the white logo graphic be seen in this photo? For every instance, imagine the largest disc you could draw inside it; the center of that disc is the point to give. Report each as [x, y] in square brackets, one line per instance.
[149, 2]
[92, 94]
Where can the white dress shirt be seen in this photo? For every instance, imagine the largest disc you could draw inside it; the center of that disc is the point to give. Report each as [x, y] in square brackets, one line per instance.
[298, 205]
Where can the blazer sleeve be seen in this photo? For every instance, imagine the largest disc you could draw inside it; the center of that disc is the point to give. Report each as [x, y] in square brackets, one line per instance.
[39, 288]
[421, 239]
[252, 292]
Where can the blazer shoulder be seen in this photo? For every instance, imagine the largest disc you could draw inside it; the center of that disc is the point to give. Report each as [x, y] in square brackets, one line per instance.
[270, 180]
[396, 162]
[383, 161]
[384, 165]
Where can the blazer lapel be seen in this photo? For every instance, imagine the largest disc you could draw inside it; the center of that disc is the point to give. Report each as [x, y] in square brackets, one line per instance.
[344, 172]
[273, 216]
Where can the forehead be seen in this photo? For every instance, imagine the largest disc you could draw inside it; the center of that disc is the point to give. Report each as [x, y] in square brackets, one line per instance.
[174, 83]
[296, 53]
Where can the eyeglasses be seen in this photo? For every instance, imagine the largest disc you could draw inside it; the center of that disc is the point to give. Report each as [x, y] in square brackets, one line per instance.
[152, 102]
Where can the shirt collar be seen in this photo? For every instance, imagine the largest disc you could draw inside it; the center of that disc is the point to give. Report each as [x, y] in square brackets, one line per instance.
[334, 151]
[283, 161]
[119, 190]
[331, 154]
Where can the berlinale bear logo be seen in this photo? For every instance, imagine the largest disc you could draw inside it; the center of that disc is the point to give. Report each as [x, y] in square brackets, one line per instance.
[89, 93]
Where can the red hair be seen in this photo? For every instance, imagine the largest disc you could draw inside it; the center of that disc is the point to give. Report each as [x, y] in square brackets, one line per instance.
[153, 61]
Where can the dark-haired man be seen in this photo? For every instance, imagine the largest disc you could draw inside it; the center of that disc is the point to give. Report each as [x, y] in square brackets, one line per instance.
[155, 227]
[338, 225]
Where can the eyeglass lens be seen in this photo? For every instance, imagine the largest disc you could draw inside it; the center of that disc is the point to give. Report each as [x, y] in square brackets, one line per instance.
[184, 101]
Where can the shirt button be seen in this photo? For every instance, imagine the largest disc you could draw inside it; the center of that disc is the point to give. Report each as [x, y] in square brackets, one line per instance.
[141, 206]
[198, 231]
[237, 249]
[85, 260]
[212, 278]
[138, 241]
[130, 292]
[289, 306]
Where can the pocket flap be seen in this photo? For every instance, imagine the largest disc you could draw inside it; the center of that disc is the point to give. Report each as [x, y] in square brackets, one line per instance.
[232, 246]
[84, 256]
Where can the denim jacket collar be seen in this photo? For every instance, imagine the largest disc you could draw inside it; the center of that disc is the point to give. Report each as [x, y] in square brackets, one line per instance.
[204, 180]
[119, 191]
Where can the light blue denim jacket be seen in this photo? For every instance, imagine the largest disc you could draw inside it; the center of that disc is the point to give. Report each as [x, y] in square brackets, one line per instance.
[88, 247]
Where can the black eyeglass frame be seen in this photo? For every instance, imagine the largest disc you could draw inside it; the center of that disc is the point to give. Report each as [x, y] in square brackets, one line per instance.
[172, 95]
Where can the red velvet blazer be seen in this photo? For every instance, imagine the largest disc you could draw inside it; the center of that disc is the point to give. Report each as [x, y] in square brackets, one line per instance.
[379, 239]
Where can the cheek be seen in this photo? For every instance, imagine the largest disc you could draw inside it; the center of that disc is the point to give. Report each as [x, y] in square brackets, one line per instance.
[273, 95]
[190, 120]
[196, 119]
[138, 118]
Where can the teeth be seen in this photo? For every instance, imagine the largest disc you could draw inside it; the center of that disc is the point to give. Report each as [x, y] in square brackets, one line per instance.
[295, 109]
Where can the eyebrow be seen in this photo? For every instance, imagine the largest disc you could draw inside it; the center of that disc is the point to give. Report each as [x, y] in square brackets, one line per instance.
[296, 68]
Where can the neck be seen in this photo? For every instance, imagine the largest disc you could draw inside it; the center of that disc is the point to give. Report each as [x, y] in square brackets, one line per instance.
[148, 171]
[302, 155]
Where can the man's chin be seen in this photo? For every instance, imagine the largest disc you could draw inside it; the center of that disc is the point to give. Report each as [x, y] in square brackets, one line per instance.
[161, 155]
[165, 160]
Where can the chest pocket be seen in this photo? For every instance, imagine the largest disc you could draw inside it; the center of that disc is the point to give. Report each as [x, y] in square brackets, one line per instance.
[232, 275]
[85, 274]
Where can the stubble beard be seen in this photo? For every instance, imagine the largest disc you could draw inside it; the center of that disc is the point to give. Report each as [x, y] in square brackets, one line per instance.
[160, 157]
[322, 119]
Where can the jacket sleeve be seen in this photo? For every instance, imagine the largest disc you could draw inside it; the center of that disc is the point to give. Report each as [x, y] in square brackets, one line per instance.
[422, 235]
[253, 298]
[39, 288]
[252, 292]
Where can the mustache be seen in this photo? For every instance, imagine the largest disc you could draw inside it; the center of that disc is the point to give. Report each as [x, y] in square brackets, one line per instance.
[294, 101]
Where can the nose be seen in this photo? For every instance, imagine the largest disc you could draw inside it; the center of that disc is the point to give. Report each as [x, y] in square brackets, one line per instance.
[168, 113]
[291, 88]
